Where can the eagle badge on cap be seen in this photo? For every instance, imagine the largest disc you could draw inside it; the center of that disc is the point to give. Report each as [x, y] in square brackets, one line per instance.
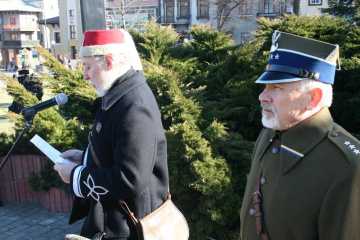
[275, 38]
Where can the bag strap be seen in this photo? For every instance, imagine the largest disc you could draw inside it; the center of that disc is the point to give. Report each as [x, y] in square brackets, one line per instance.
[96, 160]
[260, 223]
[128, 211]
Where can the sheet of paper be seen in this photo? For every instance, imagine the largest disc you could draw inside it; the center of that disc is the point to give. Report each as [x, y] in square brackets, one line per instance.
[47, 149]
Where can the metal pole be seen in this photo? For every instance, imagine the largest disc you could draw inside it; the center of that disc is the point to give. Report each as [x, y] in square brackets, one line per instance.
[26, 127]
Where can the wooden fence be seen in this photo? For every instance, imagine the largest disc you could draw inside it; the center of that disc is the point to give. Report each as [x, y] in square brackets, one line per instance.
[14, 186]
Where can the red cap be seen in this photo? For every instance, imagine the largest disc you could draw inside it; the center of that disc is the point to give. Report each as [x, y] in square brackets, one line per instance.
[103, 37]
[101, 42]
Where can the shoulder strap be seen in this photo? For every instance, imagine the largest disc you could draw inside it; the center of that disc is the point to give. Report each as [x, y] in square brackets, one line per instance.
[96, 160]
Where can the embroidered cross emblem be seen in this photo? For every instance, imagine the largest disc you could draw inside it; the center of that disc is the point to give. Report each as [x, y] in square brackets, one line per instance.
[95, 191]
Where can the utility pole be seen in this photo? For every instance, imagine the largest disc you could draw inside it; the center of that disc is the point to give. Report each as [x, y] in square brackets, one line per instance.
[123, 14]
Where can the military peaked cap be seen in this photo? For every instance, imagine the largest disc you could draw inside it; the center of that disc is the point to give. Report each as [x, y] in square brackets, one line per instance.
[293, 58]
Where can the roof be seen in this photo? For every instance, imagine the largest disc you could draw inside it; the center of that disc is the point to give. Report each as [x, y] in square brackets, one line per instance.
[17, 5]
[54, 20]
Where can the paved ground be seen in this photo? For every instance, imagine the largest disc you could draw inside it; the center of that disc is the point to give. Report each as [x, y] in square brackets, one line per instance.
[31, 221]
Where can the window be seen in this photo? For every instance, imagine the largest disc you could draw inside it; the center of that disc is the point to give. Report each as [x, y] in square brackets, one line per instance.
[287, 7]
[28, 23]
[246, 7]
[169, 11]
[0, 38]
[245, 37]
[202, 9]
[183, 9]
[315, 2]
[72, 13]
[12, 21]
[57, 37]
[72, 32]
[28, 37]
[269, 6]
[13, 37]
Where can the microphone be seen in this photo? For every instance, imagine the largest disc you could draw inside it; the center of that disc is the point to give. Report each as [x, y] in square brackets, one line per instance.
[59, 99]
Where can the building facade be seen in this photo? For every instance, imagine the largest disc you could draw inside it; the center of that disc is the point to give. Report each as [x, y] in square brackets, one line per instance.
[236, 17]
[19, 31]
[130, 13]
[47, 19]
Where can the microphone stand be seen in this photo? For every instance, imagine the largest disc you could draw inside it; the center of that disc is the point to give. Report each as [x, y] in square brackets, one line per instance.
[29, 120]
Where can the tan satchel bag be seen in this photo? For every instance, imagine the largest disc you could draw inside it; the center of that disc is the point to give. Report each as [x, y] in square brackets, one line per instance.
[165, 223]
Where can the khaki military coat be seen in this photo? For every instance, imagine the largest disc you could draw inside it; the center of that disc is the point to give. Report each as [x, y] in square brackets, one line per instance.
[310, 188]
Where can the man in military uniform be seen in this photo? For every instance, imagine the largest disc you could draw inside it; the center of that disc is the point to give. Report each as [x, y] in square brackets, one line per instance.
[305, 174]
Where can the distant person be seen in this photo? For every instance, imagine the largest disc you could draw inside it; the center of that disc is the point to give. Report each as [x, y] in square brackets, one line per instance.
[60, 59]
[6, 66]
[26, 77]
[11, 64]
[69, 63]
[65, 62]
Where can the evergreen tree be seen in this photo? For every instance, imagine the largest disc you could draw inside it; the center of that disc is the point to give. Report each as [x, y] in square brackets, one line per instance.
[347, 9]
[207, 163]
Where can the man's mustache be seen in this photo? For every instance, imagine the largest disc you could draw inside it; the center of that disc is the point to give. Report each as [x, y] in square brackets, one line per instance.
[268, 107]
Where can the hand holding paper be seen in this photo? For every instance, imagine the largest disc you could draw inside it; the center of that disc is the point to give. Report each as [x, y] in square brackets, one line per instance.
[47, 149]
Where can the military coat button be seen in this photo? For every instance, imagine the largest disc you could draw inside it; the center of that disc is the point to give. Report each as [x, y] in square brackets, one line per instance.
[252, 211]
[335, 134]
[275, 150]
[263, 181]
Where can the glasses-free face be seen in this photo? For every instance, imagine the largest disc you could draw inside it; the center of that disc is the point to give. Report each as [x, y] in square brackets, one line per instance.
[284, 105]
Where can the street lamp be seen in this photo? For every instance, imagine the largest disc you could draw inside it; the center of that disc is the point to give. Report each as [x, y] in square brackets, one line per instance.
[53, 44]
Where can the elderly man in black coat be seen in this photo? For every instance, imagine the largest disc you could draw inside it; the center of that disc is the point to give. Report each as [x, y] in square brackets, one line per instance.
[126, 155]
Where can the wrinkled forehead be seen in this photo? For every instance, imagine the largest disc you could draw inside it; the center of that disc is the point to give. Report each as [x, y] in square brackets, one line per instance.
[294, 84]
[88, 60]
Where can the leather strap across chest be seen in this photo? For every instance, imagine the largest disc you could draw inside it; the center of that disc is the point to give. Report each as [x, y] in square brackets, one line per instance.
[260, 224]
[96, 160]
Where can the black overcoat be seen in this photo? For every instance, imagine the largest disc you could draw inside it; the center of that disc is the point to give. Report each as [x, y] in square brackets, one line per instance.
[129, 141]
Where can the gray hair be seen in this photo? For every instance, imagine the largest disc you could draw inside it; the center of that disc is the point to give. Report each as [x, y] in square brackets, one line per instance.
[327, 97]
[127, 54]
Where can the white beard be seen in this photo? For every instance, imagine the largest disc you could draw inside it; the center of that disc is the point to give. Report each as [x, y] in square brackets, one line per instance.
[272, 122]
[104, 87]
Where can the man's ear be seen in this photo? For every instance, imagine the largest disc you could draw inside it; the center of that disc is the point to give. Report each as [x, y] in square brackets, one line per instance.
[109, 62]
[316, 97]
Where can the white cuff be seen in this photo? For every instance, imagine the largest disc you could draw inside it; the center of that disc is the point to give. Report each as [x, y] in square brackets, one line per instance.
[76, 181]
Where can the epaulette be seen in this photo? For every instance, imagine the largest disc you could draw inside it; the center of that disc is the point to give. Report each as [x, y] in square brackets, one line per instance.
[347, 143]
